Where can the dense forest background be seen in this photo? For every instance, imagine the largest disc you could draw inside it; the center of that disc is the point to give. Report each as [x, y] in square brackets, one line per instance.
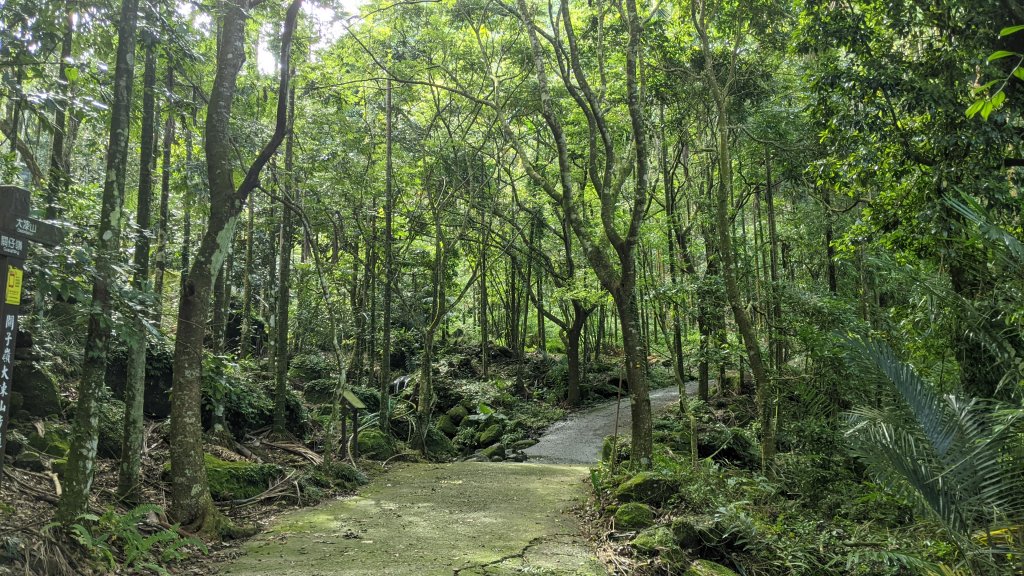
[811, 207]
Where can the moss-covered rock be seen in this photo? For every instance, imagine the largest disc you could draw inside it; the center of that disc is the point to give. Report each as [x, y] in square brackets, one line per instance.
[376, 445]
[40, 395]
[438, 444]
[111, 428]
[491, 434]
[15, 443]
[52, 442]
[493, 451]
[59, 466]
[649, 487]
[457, 414]
[29, 461]
[616, 444]
[523, 444]
[633, 516]
[651, 540]
[690, 532]
[708, 568]
[333, 475]
[447, 425]
[319, 391]
[733, 445]
[238, 480]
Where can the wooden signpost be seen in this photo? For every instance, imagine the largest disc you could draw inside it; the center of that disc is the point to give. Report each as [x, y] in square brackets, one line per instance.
[17, 229]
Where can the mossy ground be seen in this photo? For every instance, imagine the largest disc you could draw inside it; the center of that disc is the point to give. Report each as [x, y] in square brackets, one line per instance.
[422, 519]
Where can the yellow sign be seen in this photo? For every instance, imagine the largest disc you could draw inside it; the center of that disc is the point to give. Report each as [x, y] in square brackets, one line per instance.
[13, 286]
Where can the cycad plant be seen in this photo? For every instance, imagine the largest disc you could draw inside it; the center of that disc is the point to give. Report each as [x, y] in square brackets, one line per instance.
[960, 459]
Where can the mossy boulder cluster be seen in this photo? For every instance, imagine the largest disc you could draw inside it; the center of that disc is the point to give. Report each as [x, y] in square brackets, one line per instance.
[480, 435]
[239, 480]
[652, 505]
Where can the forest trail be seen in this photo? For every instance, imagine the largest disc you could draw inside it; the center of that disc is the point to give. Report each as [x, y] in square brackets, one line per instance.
[455, 519]
[578, 438]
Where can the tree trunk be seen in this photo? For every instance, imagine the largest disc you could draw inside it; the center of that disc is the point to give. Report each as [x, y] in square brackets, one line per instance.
[131, 443]
[572, 350]
[732, 290]
[389, 266]
[82, 455]
[60, 171]
[191, 503]
[163, 226]
[284, 278]
[245, 347]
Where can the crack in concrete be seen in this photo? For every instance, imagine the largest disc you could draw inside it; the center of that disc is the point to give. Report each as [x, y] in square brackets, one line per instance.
[521, 555]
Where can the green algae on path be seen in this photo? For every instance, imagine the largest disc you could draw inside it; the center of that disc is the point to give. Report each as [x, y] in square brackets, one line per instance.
[463, 518]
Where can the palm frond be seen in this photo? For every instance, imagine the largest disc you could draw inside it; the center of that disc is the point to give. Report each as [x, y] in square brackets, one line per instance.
[959, 458]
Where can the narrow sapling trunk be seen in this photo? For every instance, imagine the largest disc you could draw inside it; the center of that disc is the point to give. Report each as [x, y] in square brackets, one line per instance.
[284, 275]
[163, 226]
[131, 443]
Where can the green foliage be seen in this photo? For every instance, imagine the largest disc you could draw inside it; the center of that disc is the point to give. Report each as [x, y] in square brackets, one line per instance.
[120, 541]
[959, 458]
[308, 367]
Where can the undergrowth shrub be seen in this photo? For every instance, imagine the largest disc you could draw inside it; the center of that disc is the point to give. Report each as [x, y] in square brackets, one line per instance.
[119, 542]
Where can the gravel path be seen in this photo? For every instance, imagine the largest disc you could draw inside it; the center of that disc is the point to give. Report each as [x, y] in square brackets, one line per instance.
[577, 440]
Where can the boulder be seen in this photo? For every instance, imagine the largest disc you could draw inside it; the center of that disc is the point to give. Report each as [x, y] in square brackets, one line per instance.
[691, 532]
[658, 540]
[15, 443]
[649, 487]
[376, 445]
[238, 480]
[438, 444]
[523, 444]
[494, 451]
[30, 461]
[621, 446]
[729, 444]
[111, 426]
[651, 540]
[51, 442]
[708, 568]
[156, 401]
[491, 434]
[633, 516]
[40, 395]
[457, 414]
[59, 466]
[447, 425]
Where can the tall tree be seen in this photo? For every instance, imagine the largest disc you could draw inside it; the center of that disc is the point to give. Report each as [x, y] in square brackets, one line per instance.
[190, 494]
[82, 455]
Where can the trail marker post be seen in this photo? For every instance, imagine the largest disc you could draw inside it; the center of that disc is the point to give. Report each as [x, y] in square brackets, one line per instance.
[17, 229]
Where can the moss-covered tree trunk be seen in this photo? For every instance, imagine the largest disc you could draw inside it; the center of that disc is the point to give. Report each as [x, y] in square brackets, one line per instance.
[84, 436]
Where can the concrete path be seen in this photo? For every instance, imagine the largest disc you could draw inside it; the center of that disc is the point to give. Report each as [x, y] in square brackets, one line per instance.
[577, 439]
[457, 519]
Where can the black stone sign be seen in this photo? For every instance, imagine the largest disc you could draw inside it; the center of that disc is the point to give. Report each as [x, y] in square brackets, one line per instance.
[17, 228]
